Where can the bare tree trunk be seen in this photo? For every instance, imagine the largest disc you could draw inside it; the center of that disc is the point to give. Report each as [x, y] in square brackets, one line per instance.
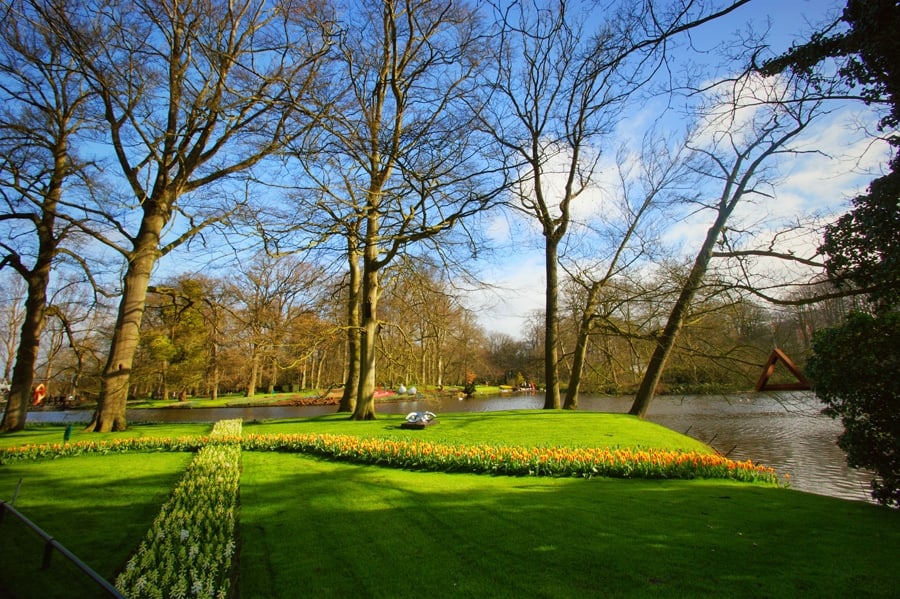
[214, 375]
[320, 365]
[37, 280]
[15, 315]
[680, 310]
[551, 330]
[351, 382]
[581, 344]
[164, 375]
[273, 376]
[254, 372]
[27, 354]
[110, 414]
[365, 399]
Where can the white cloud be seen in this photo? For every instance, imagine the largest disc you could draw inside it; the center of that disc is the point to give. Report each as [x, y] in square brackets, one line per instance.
[518, 290]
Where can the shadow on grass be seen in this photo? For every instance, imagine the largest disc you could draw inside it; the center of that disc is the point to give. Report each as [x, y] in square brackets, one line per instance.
[338, 529]
[98, 506]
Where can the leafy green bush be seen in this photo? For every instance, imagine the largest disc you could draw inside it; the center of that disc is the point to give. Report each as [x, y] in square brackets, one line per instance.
[855, 371]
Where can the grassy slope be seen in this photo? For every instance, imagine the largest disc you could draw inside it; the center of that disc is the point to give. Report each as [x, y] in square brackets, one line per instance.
[515, 427]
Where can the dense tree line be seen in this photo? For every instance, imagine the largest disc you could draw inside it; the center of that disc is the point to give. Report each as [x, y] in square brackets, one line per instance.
[275, 327]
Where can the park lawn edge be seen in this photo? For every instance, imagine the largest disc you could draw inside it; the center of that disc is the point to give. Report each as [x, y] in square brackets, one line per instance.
[421, 454]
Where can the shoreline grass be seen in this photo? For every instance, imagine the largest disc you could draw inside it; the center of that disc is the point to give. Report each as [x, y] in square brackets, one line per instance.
[336, 528]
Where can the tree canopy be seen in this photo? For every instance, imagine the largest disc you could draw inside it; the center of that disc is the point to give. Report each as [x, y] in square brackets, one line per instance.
[854, 366]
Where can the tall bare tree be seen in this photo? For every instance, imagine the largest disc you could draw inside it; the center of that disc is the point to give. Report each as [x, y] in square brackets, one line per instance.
[268, 297]
[560, 90]
[43, 110]
[410, 162]
[191, 95]
[748, 124]
[11, 316]
[627, 234]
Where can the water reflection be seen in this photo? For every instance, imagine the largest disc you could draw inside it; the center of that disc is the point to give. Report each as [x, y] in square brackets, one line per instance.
[783, 430]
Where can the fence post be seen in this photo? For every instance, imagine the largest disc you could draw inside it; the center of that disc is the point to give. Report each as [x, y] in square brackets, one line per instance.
[48, 553]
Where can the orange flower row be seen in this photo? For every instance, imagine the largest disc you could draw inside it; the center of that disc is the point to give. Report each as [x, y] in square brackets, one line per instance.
[516, 460]
[424, 455]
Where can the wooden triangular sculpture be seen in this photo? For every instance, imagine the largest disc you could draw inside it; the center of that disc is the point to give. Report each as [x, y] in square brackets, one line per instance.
[763, 383]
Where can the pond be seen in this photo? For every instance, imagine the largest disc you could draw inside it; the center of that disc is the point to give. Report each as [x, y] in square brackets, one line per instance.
[784, 430]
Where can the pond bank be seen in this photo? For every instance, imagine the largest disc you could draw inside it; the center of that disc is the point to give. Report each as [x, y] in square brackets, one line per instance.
[784, 430]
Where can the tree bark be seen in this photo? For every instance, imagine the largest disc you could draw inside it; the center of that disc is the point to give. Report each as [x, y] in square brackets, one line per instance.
[581, 343]
[27, 353]
[110, 414]
[675, 323]
[551, 330]
[351, 383]
[254, 372]
[37, 280]
[365, 399]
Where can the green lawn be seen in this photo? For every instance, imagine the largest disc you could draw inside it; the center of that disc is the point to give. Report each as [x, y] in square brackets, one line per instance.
[337, 530]
[98, 506]
[310, 527]
[512, 427]
[54, 433]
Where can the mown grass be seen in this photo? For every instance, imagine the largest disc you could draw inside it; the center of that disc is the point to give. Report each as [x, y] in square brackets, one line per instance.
[55, 433]
[512, 427]
[98, 506]
[222, 401]
[310, 527]
[335, 530]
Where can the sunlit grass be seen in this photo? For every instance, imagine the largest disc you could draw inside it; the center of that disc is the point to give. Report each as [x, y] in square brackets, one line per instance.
[515, 427]
[322, 528]
[55, 433]
[222, 401]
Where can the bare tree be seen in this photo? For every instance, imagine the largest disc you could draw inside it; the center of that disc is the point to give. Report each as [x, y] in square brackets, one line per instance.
[43, 110]
[191, 95]
[560, 90]
[409, 162]
[12, 309]
[748, 124]
[629, 234]
[425, 327]
[269, 297]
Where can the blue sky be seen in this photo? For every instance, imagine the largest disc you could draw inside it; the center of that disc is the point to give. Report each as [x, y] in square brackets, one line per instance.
[816, 184]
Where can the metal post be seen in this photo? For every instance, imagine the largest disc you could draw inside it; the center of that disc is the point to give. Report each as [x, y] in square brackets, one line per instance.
[51, 544]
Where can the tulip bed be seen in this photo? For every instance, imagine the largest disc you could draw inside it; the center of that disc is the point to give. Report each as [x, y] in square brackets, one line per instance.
[40, 451]
[512, 460]
[423, 455]
[189, 548]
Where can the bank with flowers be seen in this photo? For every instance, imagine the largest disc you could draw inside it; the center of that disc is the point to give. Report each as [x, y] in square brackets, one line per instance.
[189, 550]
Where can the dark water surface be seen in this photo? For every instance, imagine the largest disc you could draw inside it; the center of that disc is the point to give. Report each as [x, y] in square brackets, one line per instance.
[783, 430]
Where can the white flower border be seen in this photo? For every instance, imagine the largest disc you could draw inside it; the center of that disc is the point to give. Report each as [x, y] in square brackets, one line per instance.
[189, 548]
